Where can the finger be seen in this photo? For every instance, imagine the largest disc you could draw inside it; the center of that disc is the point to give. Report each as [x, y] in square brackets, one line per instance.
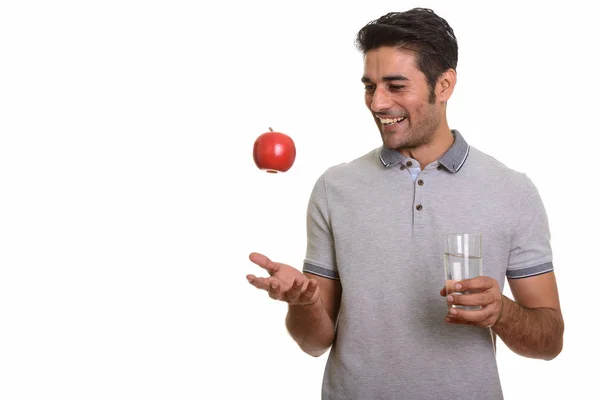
[259, 283]
[443, 292]
[308, 294]
[459, 321]
[476, 316]
[472, 299]
[264, 262]
[481, 283]
[275, 290]
[295, 290]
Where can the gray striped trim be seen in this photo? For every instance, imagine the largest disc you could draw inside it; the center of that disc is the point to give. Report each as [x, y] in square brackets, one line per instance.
[530, 271]
[457, 154]
[464, 159]
[324, 272]
[381, 158]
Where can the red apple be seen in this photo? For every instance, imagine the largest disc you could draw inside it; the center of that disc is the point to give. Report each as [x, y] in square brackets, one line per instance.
[274, 152]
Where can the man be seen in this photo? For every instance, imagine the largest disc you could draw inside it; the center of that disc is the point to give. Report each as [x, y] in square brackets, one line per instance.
[371, 279]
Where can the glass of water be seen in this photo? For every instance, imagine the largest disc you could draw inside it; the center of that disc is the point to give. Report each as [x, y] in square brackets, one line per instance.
[463, 259]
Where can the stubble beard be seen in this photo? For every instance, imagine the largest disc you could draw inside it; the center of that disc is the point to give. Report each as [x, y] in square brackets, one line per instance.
[415, 136]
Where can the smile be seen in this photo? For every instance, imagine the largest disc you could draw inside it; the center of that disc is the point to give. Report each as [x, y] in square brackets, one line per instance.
[390, 121]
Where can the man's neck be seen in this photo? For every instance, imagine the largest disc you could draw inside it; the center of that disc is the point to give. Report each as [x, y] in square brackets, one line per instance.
[432, 151]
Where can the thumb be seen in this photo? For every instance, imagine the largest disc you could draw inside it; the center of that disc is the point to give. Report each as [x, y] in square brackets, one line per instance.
[264, 262]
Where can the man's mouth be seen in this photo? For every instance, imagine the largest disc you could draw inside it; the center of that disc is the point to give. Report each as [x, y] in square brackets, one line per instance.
[391, 121]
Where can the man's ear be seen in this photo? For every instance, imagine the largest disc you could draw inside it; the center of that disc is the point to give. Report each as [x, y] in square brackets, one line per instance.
[445, 85]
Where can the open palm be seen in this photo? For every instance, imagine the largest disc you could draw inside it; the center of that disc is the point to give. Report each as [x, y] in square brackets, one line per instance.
[285, 283]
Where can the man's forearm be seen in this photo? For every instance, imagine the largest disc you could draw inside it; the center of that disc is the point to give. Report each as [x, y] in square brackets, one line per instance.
[311, 327]
[530, 332]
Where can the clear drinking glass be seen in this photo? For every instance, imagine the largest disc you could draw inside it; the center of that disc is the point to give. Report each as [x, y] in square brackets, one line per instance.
[463, 259]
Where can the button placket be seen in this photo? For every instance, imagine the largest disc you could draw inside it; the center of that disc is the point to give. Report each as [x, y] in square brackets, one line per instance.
[419, 209]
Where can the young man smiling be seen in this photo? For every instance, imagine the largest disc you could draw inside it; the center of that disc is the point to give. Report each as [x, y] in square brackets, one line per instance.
[370, 286]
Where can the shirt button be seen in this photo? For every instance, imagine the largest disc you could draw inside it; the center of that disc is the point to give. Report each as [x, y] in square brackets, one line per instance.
[409, 164]
[402, 168]
[420, 182]
[419, 207]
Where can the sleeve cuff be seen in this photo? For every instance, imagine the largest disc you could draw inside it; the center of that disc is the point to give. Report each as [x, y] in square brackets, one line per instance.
[324, 272]
[530, 271]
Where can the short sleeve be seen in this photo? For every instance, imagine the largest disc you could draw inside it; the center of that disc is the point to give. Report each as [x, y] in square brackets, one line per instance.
[320, 249]
[530, 249]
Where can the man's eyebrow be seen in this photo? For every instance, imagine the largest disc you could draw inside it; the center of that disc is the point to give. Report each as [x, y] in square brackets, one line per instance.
[388, 78]
[395, 78]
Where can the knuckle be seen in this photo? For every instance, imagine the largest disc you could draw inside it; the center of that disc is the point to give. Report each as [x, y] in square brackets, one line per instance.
[307, 296]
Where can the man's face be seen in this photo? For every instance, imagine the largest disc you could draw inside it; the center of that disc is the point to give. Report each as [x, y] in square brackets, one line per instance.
[397, 94]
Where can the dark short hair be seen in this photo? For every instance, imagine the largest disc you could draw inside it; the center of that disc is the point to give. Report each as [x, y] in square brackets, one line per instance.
[420, 31]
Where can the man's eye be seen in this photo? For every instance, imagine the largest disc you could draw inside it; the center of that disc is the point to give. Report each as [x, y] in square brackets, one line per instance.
[396, 87]
[369, 88]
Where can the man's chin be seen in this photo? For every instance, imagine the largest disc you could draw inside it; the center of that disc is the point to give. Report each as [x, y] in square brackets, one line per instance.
[394, 140]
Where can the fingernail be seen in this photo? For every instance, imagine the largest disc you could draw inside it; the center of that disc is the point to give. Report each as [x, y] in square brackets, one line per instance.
[450, 299]
[458, 286]
[453, 311]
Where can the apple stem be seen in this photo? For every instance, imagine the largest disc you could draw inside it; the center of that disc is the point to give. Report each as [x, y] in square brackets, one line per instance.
[271, 129]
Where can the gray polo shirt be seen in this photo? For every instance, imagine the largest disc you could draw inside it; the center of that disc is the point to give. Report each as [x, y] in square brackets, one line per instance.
[379, 232]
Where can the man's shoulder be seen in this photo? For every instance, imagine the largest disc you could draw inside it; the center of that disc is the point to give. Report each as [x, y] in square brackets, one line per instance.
[493, 168]
[345, 177]
[361, 165]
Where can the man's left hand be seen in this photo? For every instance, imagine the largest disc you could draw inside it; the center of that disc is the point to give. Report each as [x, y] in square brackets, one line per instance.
[484, 292]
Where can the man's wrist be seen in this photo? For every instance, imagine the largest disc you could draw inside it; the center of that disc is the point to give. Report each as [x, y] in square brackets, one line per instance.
[307, 306]
[503, 308]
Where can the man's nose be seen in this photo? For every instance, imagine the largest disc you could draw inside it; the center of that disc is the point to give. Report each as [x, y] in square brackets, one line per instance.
[381, 101]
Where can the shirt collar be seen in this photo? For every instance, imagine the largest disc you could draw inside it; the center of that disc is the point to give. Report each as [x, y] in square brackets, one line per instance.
[453, 159]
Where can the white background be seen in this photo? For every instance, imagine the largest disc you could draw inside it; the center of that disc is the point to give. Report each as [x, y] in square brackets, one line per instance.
[129, 200]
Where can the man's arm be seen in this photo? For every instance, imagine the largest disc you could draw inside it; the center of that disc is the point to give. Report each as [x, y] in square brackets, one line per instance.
[312, 326]
[532, 325]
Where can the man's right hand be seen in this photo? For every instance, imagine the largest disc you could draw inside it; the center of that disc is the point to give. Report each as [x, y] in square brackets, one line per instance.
[285, 282]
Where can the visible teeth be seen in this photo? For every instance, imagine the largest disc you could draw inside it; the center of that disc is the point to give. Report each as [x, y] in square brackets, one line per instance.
[388, 121]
